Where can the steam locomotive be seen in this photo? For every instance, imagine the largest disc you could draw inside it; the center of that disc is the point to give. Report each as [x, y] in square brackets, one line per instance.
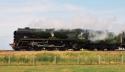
[31, 39]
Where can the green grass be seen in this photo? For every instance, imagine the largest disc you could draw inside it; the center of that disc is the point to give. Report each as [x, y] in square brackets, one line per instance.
[58, 57]
[64, 68]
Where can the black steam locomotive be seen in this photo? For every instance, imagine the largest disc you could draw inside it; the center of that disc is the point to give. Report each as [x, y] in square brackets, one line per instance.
[30, 39]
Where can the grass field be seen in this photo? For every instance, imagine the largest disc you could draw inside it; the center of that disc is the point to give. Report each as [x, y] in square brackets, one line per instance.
[61, 57]
[57, 61]
[64, 68]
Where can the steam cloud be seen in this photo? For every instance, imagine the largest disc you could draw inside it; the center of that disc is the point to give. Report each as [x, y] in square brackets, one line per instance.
[83, 22]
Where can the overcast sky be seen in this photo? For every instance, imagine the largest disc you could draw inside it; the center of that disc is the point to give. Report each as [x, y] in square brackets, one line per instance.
[88, 14]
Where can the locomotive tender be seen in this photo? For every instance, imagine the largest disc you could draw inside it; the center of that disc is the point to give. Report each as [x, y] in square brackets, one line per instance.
[31, 39]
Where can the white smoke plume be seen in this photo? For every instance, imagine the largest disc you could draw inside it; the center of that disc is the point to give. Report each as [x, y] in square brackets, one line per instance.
[79, 18]
[83, 22]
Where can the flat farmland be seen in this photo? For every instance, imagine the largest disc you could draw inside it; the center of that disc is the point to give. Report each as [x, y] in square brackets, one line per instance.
[62, 57]
[64, 68]
[62, 61]
[62, 52]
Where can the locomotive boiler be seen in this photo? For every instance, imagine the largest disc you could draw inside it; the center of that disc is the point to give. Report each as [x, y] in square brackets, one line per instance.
[46, 39]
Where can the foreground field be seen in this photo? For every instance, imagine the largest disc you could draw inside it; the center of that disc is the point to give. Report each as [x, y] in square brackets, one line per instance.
[64, 68]
[57, 61]
[64, 57]
[20, 53]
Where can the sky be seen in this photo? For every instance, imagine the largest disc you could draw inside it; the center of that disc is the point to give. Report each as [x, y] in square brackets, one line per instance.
[86, 14]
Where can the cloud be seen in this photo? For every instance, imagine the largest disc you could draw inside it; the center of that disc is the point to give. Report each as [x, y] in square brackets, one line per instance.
[26, 9]
[87, 22]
